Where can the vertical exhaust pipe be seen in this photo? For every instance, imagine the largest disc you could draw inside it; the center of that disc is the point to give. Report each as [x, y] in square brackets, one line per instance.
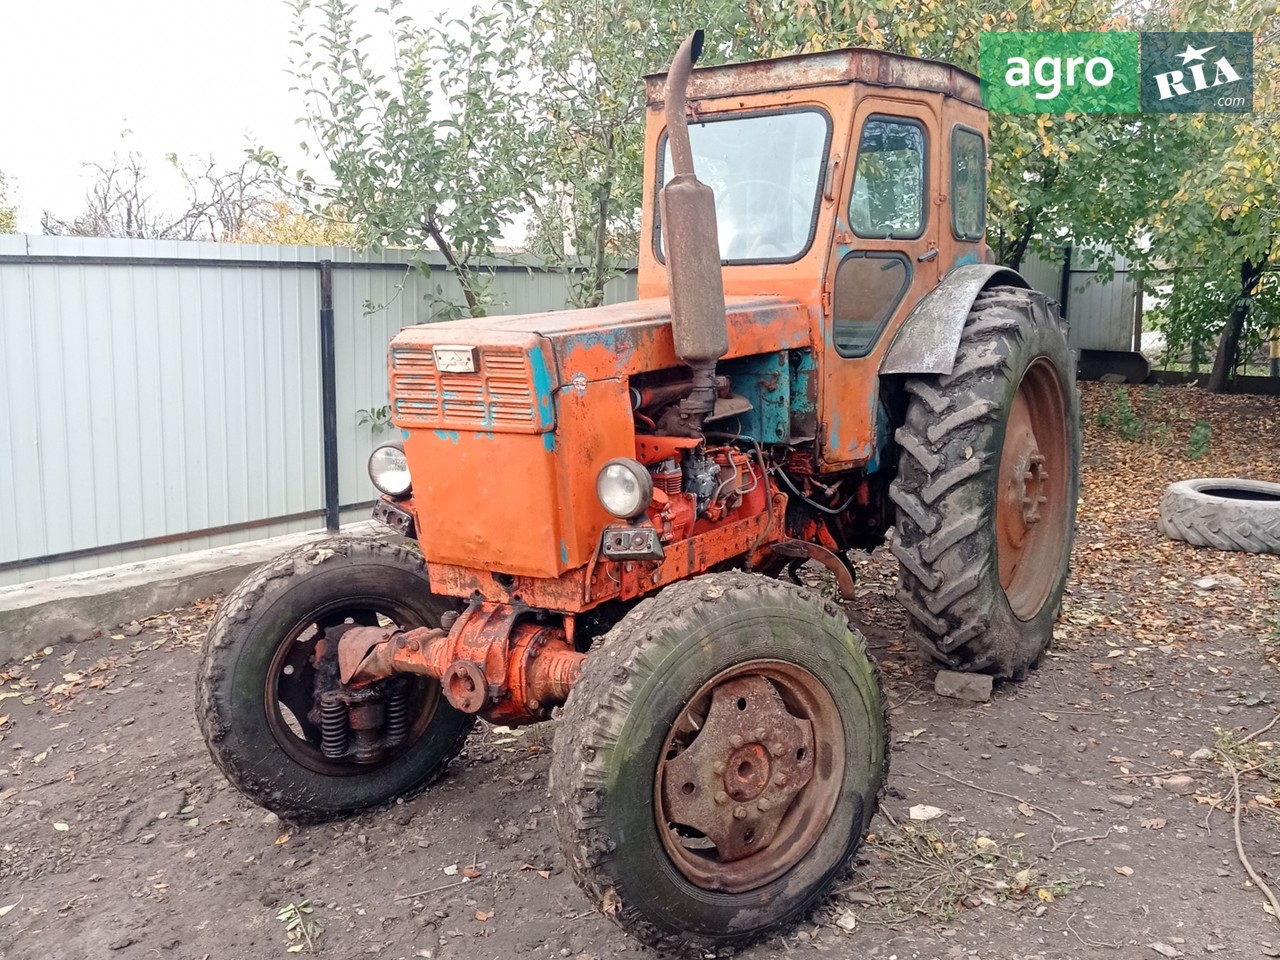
[688, 211]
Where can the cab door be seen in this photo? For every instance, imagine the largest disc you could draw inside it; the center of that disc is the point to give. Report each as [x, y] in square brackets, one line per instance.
[885, 257]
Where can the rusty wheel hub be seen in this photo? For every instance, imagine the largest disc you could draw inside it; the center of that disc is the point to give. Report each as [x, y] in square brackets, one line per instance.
[750, 775]
[1031, 508]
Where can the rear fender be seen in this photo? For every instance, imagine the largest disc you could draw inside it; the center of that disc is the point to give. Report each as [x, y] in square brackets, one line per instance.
[928, 339]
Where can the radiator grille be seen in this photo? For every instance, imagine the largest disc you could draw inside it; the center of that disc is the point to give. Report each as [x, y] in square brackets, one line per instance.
[498, 396]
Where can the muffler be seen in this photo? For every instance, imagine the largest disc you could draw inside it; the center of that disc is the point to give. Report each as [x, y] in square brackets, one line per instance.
[687, 209]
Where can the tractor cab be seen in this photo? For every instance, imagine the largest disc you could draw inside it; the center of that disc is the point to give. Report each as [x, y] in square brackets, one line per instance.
[849, 181]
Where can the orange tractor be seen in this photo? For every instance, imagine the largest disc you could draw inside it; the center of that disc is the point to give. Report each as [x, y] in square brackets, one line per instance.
[605, 503]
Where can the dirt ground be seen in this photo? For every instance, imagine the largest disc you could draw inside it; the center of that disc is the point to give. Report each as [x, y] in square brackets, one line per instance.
[1085, 812]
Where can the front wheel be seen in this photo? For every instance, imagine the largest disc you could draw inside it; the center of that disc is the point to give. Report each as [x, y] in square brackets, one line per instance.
[719, 760]
[986, 489]
[266, 657]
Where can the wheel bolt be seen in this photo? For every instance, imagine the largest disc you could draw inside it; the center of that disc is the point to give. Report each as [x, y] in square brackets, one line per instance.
[760, 734]
[780, 780]
[739, 813]
[722, 798]
[764, 805]
[735, 741]
[718, 767]
[776, 749]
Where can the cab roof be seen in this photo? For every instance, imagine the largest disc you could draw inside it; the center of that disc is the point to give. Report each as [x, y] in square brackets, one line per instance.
[834, 67]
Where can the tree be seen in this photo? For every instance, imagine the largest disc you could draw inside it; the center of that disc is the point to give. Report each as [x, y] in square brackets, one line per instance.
[282, 222]
[220, 203]
[431, 151]
[1212, 213]
[8, 214]
[588, 92]
[118, 204]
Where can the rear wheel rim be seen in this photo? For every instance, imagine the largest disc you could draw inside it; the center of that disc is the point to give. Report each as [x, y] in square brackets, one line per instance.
[750, 775]
[1031, 498]
[289, 684]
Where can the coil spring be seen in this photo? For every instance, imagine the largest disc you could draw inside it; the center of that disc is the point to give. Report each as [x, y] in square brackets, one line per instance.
[333, 726]
[396, 728]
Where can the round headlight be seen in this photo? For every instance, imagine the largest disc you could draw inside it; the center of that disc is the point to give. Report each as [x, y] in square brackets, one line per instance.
[624, 487]
[389, 470]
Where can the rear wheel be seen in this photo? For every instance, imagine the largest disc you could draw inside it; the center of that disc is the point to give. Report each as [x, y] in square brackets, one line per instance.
[267, 654]
[986, 489]
[719, 761]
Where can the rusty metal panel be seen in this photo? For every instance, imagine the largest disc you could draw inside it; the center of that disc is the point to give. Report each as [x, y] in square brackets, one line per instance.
[857, 65]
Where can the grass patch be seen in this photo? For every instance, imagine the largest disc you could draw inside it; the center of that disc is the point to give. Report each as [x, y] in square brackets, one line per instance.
[915, 870]
[1258, 756]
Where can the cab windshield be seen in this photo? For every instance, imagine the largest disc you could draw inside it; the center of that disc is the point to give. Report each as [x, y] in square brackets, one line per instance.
[766, 171]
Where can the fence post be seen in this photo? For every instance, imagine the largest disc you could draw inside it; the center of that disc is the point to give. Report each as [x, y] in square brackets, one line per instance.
[1064, 288]
[329, 397]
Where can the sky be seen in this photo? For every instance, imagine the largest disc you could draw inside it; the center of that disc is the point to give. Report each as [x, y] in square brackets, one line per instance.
[191, 77]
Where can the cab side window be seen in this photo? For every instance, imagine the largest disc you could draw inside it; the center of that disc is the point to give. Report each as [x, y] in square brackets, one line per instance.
[869, 287]
[968, 184]
[889, 180]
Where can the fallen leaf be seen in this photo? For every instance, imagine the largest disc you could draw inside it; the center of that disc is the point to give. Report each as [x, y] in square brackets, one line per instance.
[1125, 871]
[985, 843]
[924, 812]
[470, 872]
[1154, 823]
[40, 757]
[483, 915]
[4, 910]
[283, 838]
[1026, 809]
[451, 870]
[612, 903]
[847, 921]
[1165, 950]
[61, 827]
[1046, 896]
[545, 874]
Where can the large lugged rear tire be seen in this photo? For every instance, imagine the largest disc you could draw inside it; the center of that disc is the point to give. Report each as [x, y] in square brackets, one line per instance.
[718, 761]
[986, 490]
[1223, 514]
[257, 676]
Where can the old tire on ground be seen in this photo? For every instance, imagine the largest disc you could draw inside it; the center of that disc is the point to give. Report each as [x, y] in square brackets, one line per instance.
[256, 680]
[719, 760]
[986, 489]
[1224, 514]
